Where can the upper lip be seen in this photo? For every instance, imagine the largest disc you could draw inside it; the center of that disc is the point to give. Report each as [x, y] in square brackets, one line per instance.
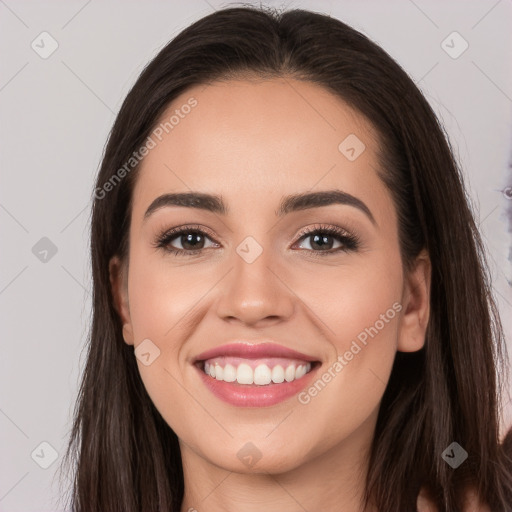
[250, 350]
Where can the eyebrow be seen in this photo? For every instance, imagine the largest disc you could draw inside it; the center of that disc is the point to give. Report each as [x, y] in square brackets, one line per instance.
[291, 203]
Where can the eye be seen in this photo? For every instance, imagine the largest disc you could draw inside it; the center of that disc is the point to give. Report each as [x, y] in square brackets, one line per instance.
[321, 237]
[191, 239]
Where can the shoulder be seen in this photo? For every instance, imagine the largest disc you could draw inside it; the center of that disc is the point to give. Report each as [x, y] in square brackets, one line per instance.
[471, 504]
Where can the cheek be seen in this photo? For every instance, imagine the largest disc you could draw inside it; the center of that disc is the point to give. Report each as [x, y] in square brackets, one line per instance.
[360, 311]
[162, 300]
[164, 295]
[166, 301]
[365, 321]
[367, 313]
[356, 299]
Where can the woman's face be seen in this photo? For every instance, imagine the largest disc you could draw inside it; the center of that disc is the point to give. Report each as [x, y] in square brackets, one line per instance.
[254, 277]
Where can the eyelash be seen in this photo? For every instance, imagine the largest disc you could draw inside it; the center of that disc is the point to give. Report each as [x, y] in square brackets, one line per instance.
[350, 242]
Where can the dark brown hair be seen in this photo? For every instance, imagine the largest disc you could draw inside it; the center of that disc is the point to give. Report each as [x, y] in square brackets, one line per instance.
[126, 458]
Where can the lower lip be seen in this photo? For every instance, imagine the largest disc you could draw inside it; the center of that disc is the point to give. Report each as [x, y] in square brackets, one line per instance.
[249, 395]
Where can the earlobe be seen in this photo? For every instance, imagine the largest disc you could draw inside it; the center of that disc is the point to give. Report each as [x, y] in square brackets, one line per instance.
[416, 305]
[118, 283]
[128, 334]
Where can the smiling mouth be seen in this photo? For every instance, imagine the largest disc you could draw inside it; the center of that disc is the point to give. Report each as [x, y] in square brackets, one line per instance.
[267, 371]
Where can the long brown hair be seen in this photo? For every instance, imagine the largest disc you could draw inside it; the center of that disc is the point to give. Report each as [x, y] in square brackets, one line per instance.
[126, 458]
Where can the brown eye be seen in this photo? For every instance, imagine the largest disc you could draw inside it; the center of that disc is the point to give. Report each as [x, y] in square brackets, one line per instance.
[184, 241]
[191, 241]
[322, 240]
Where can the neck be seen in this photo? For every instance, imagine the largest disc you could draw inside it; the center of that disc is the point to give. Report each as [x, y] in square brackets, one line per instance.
[332, 480]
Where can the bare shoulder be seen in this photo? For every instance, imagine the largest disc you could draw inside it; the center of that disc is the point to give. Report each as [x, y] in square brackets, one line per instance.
[472, 502]
[424, 503]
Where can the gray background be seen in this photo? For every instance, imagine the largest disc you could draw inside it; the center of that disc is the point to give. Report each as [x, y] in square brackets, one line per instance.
[55, 116]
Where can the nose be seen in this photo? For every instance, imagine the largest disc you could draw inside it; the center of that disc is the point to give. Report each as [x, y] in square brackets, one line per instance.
[255, 293]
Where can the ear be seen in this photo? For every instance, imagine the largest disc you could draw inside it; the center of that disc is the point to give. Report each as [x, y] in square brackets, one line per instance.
[416, 305]
[119, 286]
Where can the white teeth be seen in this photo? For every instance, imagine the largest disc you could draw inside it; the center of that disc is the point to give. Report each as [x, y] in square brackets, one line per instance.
[229, 373]
[289, 373]
[244, 374]
[277, 374]
[300, 371]
[261, 375]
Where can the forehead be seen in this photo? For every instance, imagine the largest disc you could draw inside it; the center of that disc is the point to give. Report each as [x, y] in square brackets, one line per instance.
[252, 139]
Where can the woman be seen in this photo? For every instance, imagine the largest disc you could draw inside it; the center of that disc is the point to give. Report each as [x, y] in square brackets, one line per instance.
[291, 304]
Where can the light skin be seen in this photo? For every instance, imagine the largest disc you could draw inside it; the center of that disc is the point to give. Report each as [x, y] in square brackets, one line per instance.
[254, 142]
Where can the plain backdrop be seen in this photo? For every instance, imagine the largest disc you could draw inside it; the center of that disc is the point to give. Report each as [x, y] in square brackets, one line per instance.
[56, 113]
